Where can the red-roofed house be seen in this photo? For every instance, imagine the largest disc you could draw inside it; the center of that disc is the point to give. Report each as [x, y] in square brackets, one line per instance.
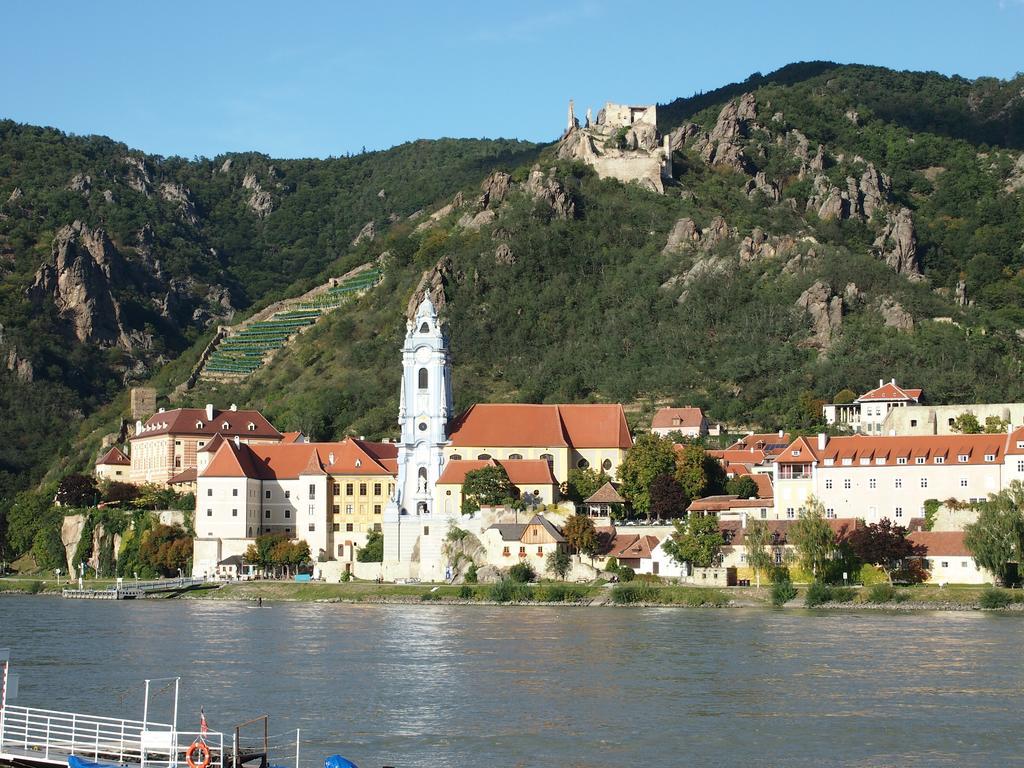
[948, 560]
[867, 413]
[328, 494]
[532, 477]
[113, 465]
[565, 436]
[689, 421]
[893, 476]
[167, 443]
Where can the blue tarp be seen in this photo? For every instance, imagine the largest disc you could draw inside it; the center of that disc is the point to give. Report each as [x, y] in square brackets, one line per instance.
[77, 762]
[337, 761]
[303, 577]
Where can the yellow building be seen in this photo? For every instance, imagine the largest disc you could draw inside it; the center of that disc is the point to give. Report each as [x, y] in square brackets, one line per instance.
[593, 436]
[361, 479]
[113, 465]
[532, 478]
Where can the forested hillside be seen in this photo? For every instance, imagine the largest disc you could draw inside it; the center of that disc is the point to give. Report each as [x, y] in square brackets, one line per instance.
[828, 225]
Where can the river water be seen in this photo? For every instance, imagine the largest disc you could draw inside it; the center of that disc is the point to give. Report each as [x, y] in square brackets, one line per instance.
[482, 686]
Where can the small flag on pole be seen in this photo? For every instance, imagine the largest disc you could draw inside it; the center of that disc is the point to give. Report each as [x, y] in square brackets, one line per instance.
[202, 722]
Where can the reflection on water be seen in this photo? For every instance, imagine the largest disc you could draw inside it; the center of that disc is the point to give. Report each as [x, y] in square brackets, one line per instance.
[449, 686]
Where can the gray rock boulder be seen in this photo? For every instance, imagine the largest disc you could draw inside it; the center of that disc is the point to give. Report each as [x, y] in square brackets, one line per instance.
[897, 244]
[825, 310]
[367, 234]
[894, 315]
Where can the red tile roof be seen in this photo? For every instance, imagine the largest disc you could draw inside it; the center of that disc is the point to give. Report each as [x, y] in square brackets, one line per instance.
[193, 421]
[941, 543]
[212, 445]
[889, 450]
[733, 530]
[606, 494]
[631, 546]
[890, 391]
[283, 461]
[771, 443]
[764, 485]
[519, 471]
[115, 457]
[518, 424]
[722, 503]
[681, 418]
[187, 476]
[292, 437]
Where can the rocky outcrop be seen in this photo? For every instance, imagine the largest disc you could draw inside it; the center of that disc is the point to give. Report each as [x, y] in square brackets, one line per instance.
[545, 188]
[503, 254]
[260, 201]
[875, 191]
[961, 293]
[366, 235]
[19, 366]
[684, 232]
[897, 244]
[137, 175]
[760, 184]
[825, 310]
[78, 278]
[758, 246]
[457, 202]
[723, 146]
[179, 195]
[494, 190]
[70, 534]
[432, 284]
[80, 182]
[894, 315]
[16, 193]
[1015, 181]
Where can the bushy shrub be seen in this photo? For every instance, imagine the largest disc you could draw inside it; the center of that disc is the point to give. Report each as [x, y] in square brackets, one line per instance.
[562, 593]
[428, 596]
[471, 575]
[626, 573]
[843, 594]
[817, 594]
[782, 591]
[509, 591]
[522, 573]
[466, 592]
[34, 587]
[623, 594]
[703, 597]
[885, 593]
[994, 598]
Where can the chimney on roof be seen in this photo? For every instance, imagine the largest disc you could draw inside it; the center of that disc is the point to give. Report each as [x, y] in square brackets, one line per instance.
[385, 440]
[781, 433]
[330, 458]
[881, 382]
[234, 407]
[138, 426]
[822, 441]
[892, 381]
[160, 410]
[209, 411]
[361, 437]
[238, 442]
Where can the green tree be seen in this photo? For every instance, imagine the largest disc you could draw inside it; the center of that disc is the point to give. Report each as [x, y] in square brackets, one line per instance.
[697, 541]
[580, 535]
[582, 483]
[742, 486]
[558, 563]
[996, 539]
[844, 397]
[698, 473]
[373, 550]
[487, 486]
[650, 456]
[813, 538]
[668, 500]
[995, 425]
[166, 549]
[757, 540]
[966, 424]
[77, 491]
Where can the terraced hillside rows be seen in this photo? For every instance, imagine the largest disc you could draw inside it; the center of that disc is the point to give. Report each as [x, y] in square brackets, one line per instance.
[242, 352]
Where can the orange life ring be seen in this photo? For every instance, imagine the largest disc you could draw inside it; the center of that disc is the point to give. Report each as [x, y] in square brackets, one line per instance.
[203, 750]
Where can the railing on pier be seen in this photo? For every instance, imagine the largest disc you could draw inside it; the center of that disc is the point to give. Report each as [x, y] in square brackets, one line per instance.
[49, 736]
[132, 589]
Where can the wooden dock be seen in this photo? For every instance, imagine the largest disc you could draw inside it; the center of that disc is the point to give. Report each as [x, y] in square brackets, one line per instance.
[134, 590]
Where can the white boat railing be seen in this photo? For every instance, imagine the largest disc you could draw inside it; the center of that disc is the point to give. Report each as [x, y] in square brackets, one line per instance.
[50, 736]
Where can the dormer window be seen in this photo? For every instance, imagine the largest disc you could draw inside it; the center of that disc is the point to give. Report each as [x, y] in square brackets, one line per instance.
[199, 425]
[847, 462]
[359, 463]
[963, 458]
[880, 460]
[990, 457]
[919, 460]
[251, 427]
[901, 460]
[940, 459]
[829, 462]
[225, 426]
[796, 452]
[1020, 443]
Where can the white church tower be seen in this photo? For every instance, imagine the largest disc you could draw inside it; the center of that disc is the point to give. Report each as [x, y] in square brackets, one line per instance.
[413, 530]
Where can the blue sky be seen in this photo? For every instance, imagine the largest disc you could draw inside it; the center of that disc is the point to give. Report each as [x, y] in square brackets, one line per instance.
[313, 79]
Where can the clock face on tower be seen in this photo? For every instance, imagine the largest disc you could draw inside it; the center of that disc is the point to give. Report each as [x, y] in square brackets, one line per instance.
[422, 355]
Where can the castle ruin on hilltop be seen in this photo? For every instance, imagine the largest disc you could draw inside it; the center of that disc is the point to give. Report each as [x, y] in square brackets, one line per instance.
[622, 143]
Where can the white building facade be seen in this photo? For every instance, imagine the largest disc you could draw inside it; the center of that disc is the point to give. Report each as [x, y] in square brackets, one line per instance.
[414, 530]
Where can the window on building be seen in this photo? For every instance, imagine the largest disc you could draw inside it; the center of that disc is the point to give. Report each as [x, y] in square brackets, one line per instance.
[940, 459]
[963, 482]
[484, 457]
[548, 458]
[522, 551]
[1020, 466]
[990, 457]
[426, 530]
[335, 509]
[312, 491]
[913, 422]
[349, 489]
[951, 421]
[919, 460]
[898, 512]
[177, 462]
[337, 489]
[268, 494]
[234, 491]
[348, 509]
[225, 426]
[505, 552]
[234, 513]
[287, 494]
[540, 551]
[251, 427]
[209, 513]
[209, 491]
[376, 527]
[899, 482]
[764, 513]
[945, 563]
[872, 482]
[828, 485]
[425, 328]
[830, 512]
[348, 527]
[582, 463]
[963, 458]
[287, 514]
[362, 489]
[778, 557]
[423, 378]
[376, 509]
[847, 483]
[515, 456]
[376, 489]
[901, 460]
[312, 526]
[391, 488]
[924, 482]
[790, 512]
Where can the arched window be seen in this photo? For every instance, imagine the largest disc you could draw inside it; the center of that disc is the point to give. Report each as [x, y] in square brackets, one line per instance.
[484, 456]
[456, 457]
[606, 464]
[515, 456]
[251, 427]
[548, 458]
[225, 426]
[199, 425]
[423, 378]
[582, 463]
[425, 328]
